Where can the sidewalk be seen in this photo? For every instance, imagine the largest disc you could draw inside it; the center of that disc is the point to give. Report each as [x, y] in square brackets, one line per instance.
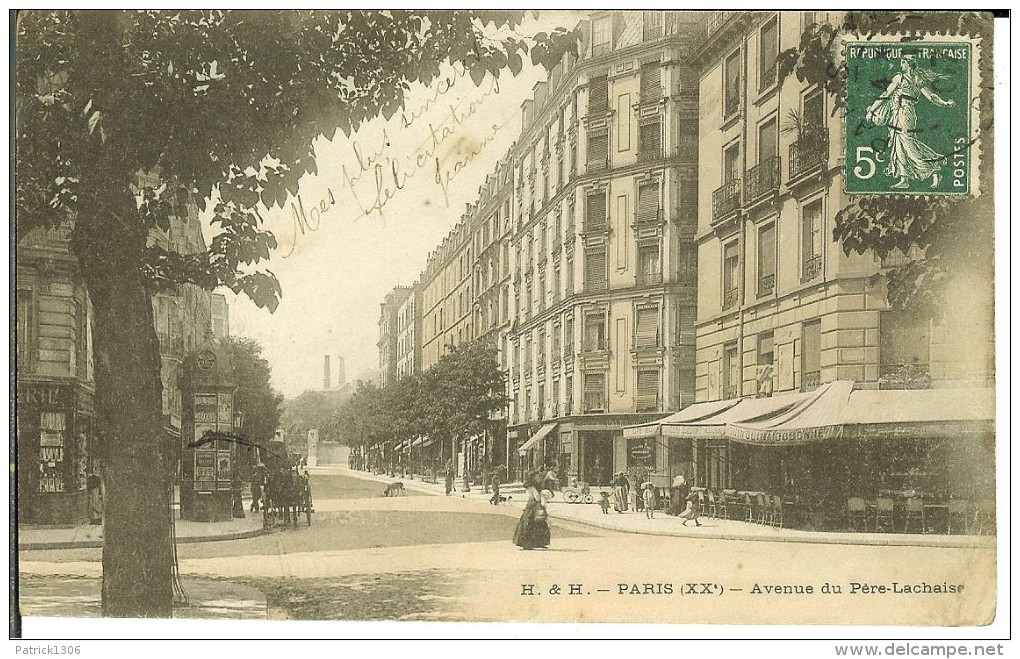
[663, 524]
[86, 535]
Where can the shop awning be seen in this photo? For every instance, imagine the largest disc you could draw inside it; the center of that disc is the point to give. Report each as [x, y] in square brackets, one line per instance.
[837, 411]
[690, 414]
[542, 433]
[744, 410]
[421, 442]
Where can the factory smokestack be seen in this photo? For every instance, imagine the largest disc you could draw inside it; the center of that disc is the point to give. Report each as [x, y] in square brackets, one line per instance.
[325, 374]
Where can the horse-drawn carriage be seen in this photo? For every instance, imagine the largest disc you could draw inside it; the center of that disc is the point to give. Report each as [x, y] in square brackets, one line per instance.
[285, 493]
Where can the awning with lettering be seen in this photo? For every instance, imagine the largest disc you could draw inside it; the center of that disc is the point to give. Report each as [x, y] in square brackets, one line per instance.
[542, 433]
[746, 410]
[840, 412]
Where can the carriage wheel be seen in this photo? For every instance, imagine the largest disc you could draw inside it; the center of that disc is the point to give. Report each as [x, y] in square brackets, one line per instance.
[571, 496]
[589, 499]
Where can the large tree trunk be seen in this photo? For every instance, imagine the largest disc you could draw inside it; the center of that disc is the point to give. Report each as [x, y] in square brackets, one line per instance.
[137, 554]
[109, 241]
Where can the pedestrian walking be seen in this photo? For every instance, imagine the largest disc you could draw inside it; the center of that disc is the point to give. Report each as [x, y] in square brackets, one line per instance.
[620, 493]
[533, 528]
[676, 496]
[258, 478]
[449, 479]
[691, 511]
[95, 496]
[648, 498]
[495, 488]
[633, 492]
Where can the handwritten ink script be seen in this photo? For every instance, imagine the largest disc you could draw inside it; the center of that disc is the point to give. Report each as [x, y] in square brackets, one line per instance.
[370, 178]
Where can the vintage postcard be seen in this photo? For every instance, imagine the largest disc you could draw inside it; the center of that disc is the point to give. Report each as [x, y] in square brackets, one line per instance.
[658, 317]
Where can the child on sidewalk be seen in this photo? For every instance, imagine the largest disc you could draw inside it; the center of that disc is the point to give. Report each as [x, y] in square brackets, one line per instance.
[691, 511]
[604, 502]
[648, 498]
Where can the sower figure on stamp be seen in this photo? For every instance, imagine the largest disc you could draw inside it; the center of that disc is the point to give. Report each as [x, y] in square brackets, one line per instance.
[909, 157]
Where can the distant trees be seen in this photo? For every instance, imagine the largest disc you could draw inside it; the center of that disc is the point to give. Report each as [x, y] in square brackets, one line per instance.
[254, 396]
[453, 399]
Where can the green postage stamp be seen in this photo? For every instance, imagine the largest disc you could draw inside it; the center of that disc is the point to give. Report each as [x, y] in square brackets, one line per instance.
[911, 115]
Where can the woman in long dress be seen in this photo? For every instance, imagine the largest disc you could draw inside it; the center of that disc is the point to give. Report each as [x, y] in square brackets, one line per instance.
[909, 157]
[620, 487]
[533, 528]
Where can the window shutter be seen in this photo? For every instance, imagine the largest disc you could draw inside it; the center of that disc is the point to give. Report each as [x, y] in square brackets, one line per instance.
[596, 211]
[647, 331]
[598, 149]
[595, 276]
[598, 94]
[647, 390]
[651, 84]
[648, 202]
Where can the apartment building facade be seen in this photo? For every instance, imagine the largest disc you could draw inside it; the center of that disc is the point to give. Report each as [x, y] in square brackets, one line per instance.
[781, 307]
[388, 332]
[605, 270]
[409, 334]
[55, 365]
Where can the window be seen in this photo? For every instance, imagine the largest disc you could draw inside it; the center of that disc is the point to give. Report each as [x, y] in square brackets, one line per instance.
[652, 24]
[541, 292]
[598, 94]
[650, 141]
[555, 348]
[731, 163]
[904, 346]
[767, 260]
[811, 241]
[646, 330]
[594, 332]
[601, 36]
[556, 285]
[595, 392]
[768, 144]
[529, 354]
[647, 395]
[598, 149]
[541, 349]
[731, 371]
[649, 271]
[568, 405]
[651, 83]
[731, 89]
[731, 274]
[527, 404]
[814, 110]
[648, 209]
[811, 356]
[766, 357]
[768, 53]
[570, 276]
[595, 275]
[568, 336]
[595, 212]
[808, 19]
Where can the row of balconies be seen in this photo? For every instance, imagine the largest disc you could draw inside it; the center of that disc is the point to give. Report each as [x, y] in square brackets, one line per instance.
[807, 156]
[811, 270]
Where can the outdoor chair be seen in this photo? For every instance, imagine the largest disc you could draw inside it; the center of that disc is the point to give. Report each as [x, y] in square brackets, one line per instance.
[959, 511]
[856, 512]
[722, 504]
[914, 513]
[749, 516]
[884, 514]
[712, 509]
[764, 505]
[777, 511]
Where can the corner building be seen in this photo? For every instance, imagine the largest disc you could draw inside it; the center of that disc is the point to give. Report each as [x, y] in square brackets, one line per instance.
[605, 212]
[781, 308]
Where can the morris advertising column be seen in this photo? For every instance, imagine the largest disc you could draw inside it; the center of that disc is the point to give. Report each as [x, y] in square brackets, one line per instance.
[208, 470]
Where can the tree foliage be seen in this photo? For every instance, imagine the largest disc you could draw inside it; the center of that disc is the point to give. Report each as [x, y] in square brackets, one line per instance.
[254, 396]
[454, 398]
[943, 235]
[226, 106]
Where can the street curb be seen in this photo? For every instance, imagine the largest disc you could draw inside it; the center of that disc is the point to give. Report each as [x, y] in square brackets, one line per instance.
[98, 544]
[964, 542]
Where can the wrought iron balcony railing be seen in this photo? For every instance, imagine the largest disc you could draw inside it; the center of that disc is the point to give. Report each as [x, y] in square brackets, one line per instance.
[766, 285]
[762, 179]
[730, 296]
[725, 199]
[812, 268]
[807, 155]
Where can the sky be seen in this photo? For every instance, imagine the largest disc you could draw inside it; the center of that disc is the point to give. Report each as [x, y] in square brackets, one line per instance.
[364, 243]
